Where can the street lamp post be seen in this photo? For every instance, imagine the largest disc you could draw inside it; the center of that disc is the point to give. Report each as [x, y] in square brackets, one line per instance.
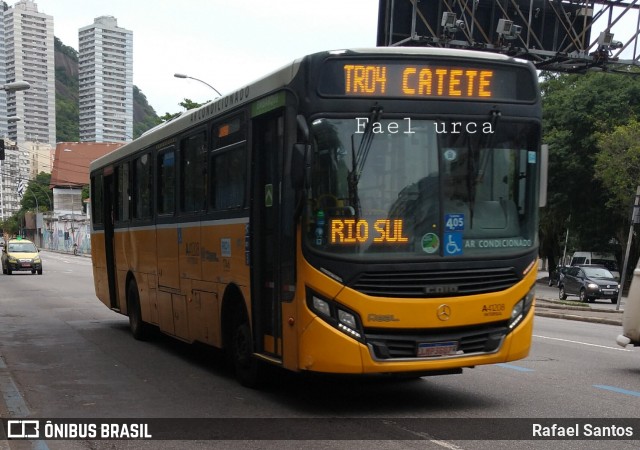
[182, 75]
[36, 234]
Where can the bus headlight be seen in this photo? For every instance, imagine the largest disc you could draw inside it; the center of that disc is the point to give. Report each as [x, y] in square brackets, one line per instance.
[521, 309]
[336, 315]
[321, 306]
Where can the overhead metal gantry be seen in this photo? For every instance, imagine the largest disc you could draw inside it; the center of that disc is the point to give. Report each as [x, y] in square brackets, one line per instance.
[556, 35]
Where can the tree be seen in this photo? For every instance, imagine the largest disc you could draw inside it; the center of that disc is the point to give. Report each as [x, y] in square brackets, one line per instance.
[37, 194]
[617, 166]
[576, 110]
[187, 104]
[11, 225]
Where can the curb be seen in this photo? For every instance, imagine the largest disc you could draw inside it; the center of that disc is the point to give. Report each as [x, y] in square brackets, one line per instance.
[557, 310]
[559, 315]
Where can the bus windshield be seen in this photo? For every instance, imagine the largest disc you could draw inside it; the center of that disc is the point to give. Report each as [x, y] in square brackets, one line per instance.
[415, 188]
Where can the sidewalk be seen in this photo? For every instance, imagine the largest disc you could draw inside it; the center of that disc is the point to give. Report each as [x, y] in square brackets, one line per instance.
[555, 308]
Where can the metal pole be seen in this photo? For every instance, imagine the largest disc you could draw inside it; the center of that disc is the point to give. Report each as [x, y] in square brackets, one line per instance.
[36, 235]
[73, 219]
[634, 218]
[564, 254]
[1, 191]
[181, 75]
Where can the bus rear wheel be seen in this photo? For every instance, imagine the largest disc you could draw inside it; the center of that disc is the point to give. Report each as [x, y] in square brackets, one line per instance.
[139, 329]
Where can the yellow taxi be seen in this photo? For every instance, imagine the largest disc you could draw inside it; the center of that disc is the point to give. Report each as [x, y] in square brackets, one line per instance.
[21, 254]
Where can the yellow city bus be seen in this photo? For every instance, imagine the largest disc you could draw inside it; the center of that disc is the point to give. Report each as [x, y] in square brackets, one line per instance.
[369, 211]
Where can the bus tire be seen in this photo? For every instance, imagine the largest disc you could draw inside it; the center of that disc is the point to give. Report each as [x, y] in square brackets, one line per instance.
[139, 329]
[245, 365]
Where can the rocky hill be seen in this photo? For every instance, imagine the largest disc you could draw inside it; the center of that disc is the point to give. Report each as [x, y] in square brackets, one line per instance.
[67, 128]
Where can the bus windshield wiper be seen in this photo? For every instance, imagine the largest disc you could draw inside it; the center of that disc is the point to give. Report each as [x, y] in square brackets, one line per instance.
[474, 169]
[359, 157]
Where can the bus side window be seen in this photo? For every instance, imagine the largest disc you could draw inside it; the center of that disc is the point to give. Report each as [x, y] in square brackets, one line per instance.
[122, 193]
[229, 178]
[142, 182]
[97, 199]
[193, 157]
[166, 182]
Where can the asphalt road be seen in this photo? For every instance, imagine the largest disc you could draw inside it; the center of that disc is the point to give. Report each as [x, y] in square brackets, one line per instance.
[65, 355]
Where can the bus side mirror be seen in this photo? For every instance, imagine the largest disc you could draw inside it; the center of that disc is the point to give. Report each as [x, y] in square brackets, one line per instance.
[544, 174]
[299, 166]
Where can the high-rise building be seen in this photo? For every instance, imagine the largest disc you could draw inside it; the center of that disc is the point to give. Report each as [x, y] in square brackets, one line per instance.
[3, 73]
[14, 176]
[28, 39]
[105, 70]
[26, 54]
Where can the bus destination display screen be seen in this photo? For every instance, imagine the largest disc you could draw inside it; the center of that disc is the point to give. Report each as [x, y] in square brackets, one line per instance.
[425, 80]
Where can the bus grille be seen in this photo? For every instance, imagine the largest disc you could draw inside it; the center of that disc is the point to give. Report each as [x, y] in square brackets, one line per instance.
[440, 283]
[387, 344]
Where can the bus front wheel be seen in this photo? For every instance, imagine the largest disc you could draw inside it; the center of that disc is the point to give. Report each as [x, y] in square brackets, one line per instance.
[246, 366]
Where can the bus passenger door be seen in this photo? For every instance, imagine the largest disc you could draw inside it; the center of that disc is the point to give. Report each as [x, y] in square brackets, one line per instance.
[108, 214]
[267, 151]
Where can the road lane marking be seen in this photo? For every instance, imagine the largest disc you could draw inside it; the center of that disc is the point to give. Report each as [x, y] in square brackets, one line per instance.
[425, 436]
[514, 367]
[582, 343]
[446, 445]
[618, 390]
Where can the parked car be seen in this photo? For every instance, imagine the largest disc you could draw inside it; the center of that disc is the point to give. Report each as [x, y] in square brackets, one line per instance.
[589, 282]
[21, 254]
[603, 259]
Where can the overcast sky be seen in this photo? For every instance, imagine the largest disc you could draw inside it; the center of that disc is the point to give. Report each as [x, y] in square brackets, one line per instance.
[227, 43]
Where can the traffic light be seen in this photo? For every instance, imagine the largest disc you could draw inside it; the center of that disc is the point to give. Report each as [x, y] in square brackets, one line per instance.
[1, 149]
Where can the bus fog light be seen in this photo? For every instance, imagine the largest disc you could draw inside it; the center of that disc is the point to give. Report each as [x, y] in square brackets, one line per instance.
[347, 319]
[321, 306]
[347, 323]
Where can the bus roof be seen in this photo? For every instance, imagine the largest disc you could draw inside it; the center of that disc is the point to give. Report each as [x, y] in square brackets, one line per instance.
[270, 83]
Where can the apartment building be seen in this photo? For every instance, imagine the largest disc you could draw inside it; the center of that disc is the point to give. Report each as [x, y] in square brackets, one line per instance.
[26, 54]
[29, 56]
[105, 70]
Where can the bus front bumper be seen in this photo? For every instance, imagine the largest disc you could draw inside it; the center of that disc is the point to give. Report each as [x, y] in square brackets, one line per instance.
[325, 349]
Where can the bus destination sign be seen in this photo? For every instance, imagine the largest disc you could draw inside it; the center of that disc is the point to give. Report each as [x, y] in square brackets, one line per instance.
[355, 78]
[416, 80]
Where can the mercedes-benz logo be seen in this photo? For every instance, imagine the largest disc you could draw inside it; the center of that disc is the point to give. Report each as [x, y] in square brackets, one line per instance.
[444, 312]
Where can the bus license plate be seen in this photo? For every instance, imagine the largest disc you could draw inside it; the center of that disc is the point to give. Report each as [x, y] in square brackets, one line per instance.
[427, 349]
